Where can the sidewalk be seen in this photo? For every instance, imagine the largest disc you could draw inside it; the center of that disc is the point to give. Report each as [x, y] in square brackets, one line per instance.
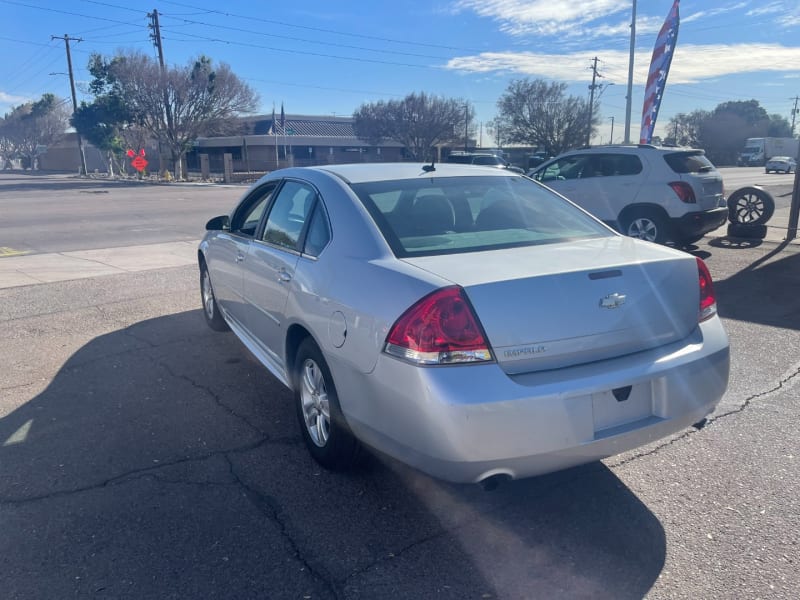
[19, 270]
[777, 228]
[31, 269]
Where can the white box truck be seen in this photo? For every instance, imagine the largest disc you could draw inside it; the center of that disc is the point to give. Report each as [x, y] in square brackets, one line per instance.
[757, 151]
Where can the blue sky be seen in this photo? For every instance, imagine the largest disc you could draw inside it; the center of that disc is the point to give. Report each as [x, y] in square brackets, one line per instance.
[330, 57]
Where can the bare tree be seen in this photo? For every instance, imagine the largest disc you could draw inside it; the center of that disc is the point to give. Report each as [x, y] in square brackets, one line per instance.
[538, 113]
[418, 122]
[684, 128]
[179, 104]
[32, 126]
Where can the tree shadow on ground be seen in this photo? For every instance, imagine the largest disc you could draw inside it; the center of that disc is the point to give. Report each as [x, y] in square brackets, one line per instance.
[163, 461]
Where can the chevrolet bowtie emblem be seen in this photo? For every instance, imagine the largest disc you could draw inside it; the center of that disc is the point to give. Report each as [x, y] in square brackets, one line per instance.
[612, 301]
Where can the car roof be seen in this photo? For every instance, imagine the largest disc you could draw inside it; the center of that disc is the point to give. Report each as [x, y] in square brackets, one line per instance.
[633, 148]
[367, 172]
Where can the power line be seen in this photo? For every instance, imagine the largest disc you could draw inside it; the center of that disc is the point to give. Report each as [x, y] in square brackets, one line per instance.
[302, 52]
[66, 12]
[322, 30]
[306, 40]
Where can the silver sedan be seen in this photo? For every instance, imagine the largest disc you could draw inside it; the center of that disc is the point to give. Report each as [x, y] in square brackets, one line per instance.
[780, 163]
[465, 320]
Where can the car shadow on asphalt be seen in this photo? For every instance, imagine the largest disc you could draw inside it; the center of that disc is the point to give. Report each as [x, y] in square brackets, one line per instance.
[162, 461]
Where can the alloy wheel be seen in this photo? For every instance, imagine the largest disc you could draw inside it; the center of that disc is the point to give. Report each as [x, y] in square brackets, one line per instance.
[315, 405]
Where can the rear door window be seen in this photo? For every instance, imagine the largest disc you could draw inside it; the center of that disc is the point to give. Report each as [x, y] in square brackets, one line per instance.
[288, 214]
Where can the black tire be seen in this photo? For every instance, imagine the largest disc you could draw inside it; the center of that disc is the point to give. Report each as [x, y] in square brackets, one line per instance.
[213, 317]
[325, 432]
[647, 225]
[750, 206]
[747, 231]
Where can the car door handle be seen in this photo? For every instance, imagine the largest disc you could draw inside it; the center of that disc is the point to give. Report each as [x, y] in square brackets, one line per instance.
[239, 257]
[283, 276]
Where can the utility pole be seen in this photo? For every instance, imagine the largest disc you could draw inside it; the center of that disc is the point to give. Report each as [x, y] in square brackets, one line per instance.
[629, 96]
[611, 139]
[591, 102]
[156, 37]
[66, 39]
[466, 126]
[794, 111]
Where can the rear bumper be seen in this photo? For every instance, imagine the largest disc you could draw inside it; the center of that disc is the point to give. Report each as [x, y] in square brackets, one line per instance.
[699, 223]
[467, 423]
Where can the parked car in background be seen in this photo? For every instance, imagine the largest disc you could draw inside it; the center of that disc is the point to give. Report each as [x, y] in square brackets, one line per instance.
[464, 320]
[483, 159]
[654, 193]
[785, 164]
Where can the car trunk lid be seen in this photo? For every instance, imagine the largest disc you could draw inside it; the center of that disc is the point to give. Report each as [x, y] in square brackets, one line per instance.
[559, 305]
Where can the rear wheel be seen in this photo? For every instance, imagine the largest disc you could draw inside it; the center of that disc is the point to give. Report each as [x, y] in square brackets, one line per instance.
[646, 225]
[325, 431]
[211, 312]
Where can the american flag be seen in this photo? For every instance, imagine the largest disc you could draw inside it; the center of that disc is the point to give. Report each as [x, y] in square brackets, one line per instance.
[659, 69]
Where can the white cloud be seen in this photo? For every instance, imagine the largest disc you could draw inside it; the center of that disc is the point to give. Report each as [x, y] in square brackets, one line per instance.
[545, 17]
[768, 9]
[705, 14]
[691, 64]
[11, 99]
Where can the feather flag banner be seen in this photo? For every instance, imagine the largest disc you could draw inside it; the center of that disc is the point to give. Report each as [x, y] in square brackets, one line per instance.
[659, 69]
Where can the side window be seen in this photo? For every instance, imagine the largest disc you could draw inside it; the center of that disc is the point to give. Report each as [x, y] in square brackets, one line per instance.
[602, 165]
[570, 167]
[288, 214]
[628, 164]
[247, 216]
[319, 232]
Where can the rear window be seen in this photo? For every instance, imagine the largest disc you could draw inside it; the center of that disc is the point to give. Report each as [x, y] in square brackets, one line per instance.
[487, 160]
[448, 215]
[688, 162]
[459, 158]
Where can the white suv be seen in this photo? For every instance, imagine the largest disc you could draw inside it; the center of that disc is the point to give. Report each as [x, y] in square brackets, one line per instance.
[654, 193]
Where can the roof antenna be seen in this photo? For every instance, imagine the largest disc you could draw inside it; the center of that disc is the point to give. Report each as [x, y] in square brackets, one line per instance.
[430, 167]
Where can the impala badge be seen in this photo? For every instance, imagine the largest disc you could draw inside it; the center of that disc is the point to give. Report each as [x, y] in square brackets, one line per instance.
[612, 301]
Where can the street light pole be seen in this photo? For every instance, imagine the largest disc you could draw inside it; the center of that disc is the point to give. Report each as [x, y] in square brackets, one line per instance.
[628, 97]
[611, 141]
[466, 126]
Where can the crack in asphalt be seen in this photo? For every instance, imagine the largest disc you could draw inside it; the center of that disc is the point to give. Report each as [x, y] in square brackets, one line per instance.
[271, 509]
[735, 411]
[131, 475]
[214, 396]
[19, 385]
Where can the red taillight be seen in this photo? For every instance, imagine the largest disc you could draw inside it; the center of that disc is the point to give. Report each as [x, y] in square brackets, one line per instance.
[684, 191]
[708, 301]
[439, 329]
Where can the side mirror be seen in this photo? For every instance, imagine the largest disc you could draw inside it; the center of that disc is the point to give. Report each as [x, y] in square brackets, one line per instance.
[221, 223]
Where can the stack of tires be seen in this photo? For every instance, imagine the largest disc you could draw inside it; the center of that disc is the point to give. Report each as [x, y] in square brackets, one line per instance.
[749, 209]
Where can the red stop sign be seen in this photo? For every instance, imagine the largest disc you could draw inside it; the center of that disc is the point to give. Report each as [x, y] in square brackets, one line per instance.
[139, 163]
